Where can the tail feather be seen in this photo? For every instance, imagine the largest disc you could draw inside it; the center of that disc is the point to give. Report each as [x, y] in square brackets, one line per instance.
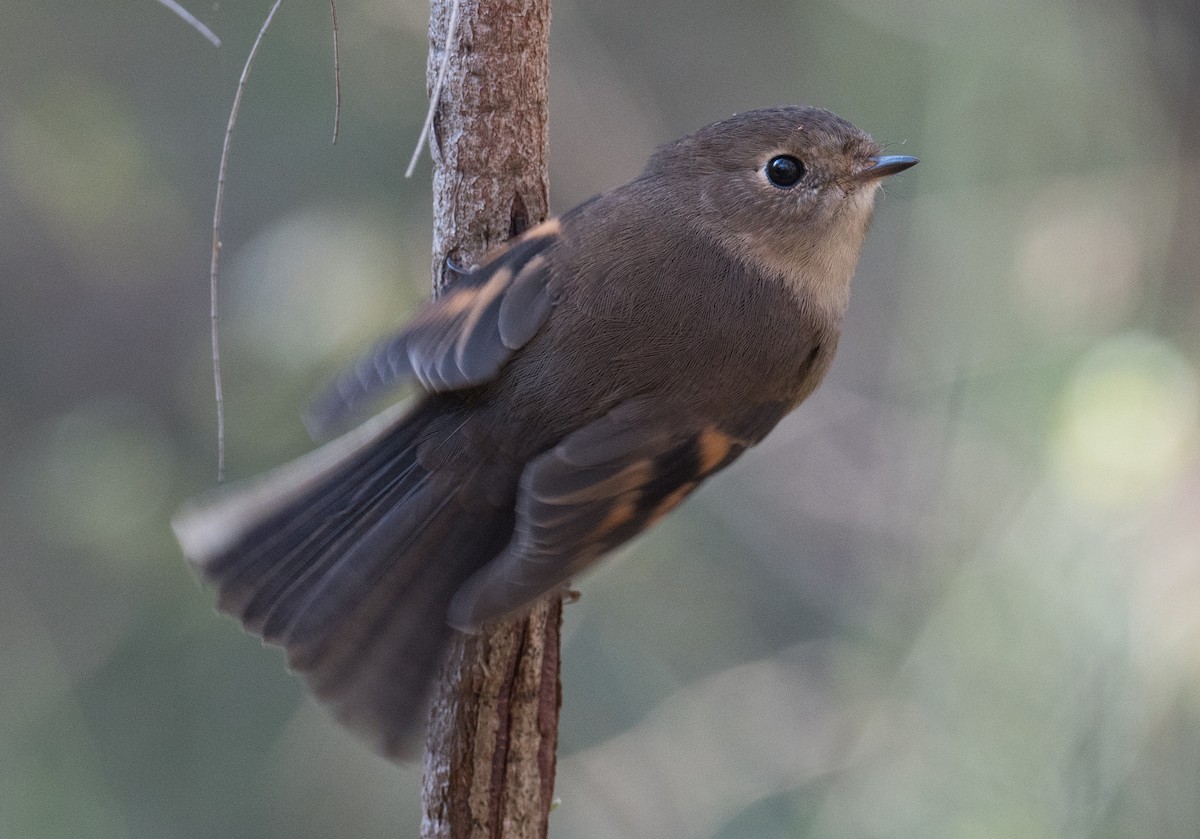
[344, 608]
[291, 540]
[365, 677]
[349, 558]
[333, 571]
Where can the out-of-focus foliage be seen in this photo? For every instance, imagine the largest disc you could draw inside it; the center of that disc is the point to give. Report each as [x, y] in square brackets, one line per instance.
[956, 595]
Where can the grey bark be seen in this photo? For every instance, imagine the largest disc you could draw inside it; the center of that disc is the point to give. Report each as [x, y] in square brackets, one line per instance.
[493, 729]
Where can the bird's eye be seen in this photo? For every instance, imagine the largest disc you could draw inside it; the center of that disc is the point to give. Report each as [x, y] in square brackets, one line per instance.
[784, 170]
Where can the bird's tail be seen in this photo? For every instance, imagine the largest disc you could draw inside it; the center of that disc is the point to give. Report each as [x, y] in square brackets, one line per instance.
[348, 558]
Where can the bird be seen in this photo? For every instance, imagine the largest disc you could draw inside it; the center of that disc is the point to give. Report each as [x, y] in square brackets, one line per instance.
[573, 389]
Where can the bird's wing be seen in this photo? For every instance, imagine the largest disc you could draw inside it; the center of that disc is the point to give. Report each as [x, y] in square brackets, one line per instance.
[459, 340]
[599, 487]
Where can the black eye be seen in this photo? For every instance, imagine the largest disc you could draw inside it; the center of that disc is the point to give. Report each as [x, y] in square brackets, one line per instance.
[784, 170]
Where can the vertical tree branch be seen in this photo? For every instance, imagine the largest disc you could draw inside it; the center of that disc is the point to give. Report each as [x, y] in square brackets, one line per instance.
[490, 754]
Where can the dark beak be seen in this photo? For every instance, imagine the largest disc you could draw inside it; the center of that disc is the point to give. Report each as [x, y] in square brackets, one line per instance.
[886, 165]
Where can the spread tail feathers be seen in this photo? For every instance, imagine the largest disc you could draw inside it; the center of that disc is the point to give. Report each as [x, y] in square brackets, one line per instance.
[348, 559]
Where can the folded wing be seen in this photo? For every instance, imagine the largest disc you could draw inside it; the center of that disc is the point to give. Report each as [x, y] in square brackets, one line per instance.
[598, 488]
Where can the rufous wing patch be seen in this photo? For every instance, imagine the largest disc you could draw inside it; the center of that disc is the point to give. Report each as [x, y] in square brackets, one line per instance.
[713, 446]
[460, 340]
[601, 486]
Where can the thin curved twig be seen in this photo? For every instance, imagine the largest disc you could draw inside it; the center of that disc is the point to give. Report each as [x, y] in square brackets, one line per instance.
[192, 21]
[337, 76]
[216, 241]
[435, 94]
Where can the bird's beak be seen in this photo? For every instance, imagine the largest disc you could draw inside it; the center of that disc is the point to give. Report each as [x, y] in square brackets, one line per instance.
[885, 165]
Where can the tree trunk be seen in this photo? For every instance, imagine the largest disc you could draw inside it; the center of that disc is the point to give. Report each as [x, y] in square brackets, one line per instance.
[493, 728]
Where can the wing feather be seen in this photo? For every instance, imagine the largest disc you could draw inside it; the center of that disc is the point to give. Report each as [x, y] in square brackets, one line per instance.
[596, 489]
[460, 340]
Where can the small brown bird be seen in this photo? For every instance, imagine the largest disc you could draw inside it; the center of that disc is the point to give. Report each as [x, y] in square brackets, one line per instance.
[577, 387]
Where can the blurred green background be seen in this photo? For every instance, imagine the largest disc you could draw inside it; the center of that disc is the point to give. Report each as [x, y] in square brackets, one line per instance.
[956, 595]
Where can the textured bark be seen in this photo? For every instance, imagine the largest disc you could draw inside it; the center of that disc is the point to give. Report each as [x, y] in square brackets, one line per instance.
[490, 129]
[493, 728]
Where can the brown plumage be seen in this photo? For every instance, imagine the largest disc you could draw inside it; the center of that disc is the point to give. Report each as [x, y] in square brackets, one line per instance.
[578, 387]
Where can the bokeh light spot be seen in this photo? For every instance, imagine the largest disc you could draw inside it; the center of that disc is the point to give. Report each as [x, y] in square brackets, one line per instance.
[99, 474]
[1129, 421]
[319, 283]
[78, 156]
[1078, 264]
